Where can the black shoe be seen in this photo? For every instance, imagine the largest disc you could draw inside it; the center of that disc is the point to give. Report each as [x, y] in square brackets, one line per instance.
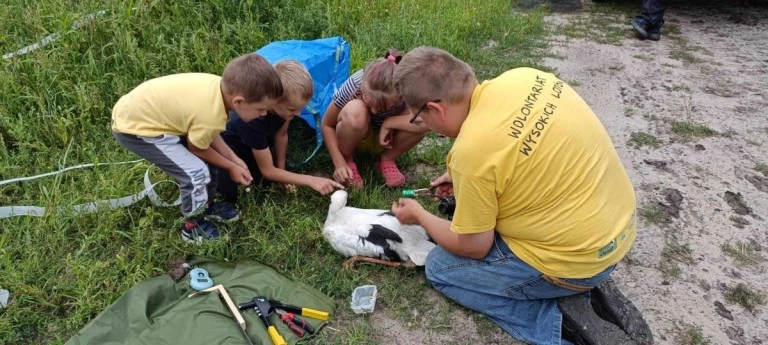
[582, 326]
[639, 27]
[611, 305]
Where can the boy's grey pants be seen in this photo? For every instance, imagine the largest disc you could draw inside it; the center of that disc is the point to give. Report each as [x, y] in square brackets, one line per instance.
[196, 181]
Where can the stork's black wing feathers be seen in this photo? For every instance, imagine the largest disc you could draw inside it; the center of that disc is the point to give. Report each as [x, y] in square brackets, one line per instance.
[379, 236]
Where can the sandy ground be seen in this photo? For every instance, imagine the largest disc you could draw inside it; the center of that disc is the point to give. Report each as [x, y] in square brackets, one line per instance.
[637, 87]
[695, 182]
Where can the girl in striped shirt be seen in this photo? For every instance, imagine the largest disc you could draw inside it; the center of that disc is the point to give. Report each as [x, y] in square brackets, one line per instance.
[368, 114]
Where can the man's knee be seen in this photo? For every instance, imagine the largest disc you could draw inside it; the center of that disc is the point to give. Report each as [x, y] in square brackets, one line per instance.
[355, 116]
[436, 261]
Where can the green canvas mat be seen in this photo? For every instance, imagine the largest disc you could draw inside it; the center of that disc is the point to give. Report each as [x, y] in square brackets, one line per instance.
[157, 311]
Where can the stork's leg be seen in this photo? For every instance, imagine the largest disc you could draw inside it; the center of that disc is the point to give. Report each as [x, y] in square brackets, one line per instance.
[348, 264]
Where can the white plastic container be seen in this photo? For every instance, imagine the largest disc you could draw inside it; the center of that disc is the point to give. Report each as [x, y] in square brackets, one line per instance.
[364, 299]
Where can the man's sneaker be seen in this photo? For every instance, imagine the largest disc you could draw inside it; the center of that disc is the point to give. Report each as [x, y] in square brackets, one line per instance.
[197, 230]
[582, 326]
[222, 212]
[611, 305]
[638, 25]
[654, 33]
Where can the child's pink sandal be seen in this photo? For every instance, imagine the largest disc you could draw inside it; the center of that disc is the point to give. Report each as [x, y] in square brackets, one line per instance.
[392, 174]
[357, 180]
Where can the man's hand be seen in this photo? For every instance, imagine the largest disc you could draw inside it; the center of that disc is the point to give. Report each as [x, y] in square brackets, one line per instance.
[240, 175]
[407, 211]
[444, 185]
[343, 174]
[324, 186]
[385, 137]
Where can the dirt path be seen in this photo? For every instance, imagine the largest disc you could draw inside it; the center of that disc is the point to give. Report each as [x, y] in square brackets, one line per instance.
[688, 117]
[699, 190]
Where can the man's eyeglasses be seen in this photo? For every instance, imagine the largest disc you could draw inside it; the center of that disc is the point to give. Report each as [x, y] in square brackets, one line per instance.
[423, 107]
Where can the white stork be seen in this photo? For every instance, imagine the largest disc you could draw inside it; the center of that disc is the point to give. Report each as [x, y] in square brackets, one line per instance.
[374, 235]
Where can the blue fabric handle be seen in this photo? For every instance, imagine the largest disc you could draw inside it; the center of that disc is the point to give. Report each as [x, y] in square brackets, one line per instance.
[328, 62]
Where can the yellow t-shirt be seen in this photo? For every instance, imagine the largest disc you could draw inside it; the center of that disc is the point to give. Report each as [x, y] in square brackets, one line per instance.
[189, 104]
[533, 162]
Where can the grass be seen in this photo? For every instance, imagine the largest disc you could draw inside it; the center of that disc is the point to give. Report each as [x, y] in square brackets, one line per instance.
[573, 83]
[690, 130]
[738, 221]
[673, 254]
[646, 58]
[762, 168]
[653, 214]
[604, 23]
[62, 270]
[691, 335]
[745, 296]
[743, 252]
[682, 50]
[639, 140]
[682, 54]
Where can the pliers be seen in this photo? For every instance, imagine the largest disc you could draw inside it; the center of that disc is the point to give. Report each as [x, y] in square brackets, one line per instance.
[298, 326]
[289, 315]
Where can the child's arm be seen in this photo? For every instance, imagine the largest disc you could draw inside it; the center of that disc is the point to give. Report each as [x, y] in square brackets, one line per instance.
[270, 172]
[329, 134]
[281, 145]
[403, 123]
[220, 146]
[342, 172]
[239, 174]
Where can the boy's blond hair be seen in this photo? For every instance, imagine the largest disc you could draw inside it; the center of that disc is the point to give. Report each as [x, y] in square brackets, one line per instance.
[252, 77]
[296, 80]
[427, 74]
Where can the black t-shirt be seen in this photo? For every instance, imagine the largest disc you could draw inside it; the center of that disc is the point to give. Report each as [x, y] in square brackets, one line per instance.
[257, 134]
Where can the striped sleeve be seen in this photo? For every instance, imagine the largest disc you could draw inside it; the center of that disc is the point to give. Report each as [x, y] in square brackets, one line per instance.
[349, 90]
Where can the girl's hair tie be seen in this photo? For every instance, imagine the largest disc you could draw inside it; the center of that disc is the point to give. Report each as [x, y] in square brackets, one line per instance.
[392, 57]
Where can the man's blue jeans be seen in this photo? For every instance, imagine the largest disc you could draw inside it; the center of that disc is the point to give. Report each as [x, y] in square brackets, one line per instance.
[511, 293]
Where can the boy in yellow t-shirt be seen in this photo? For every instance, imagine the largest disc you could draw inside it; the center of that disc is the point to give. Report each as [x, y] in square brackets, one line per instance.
[175, 123]
[544, 207]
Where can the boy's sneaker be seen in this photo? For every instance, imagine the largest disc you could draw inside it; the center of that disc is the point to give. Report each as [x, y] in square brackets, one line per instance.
[197, 230]
[638, 25]
[222, 212]
[654, 33]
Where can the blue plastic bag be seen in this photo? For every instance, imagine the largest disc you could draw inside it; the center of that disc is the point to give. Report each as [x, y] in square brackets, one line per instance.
[327, 60]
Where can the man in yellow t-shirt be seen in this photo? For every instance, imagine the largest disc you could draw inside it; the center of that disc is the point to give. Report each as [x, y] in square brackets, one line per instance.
[175, 123]
[544, 207]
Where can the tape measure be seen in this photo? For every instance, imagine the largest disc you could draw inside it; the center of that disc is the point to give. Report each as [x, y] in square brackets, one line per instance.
[199, 279]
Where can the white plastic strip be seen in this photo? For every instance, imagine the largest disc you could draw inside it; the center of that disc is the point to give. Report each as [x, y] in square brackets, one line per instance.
[81, 166]
[55, 36]
[36, 211]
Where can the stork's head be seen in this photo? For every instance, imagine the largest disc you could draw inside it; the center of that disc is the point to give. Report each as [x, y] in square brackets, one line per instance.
[338, 201]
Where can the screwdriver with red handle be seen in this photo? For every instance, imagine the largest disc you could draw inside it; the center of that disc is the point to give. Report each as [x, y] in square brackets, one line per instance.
[289, 319]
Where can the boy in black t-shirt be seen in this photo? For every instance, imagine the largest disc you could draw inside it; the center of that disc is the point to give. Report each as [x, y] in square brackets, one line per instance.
[251, 141]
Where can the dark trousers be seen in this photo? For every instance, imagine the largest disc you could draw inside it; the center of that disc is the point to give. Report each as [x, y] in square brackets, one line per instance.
[228, 189]
[652, 13]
